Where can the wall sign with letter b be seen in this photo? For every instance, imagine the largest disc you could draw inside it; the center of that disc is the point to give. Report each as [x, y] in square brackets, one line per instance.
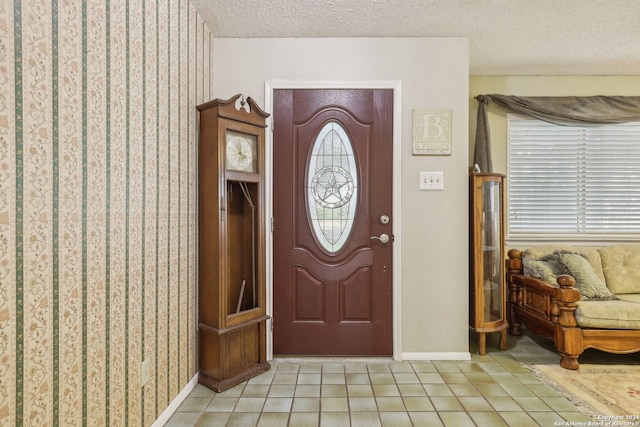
[432, 132]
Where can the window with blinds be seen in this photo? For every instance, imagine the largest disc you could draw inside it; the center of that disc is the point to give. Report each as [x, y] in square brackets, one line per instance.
[569, 182]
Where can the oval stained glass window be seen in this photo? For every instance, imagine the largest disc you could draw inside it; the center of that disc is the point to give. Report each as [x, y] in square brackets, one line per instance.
[332, 187]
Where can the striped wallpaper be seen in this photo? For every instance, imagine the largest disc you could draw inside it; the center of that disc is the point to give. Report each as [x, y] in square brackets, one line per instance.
[98, 207]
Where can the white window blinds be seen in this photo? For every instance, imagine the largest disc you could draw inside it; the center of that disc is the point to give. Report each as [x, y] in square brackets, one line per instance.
[573, 182]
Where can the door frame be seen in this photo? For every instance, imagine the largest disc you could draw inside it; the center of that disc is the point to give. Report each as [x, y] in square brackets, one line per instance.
[396, 86]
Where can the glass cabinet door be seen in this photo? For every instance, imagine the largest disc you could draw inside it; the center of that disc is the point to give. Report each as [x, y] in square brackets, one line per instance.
[491, 251]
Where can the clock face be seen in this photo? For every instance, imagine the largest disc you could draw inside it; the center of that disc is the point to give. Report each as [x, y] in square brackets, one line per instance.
[241, 152]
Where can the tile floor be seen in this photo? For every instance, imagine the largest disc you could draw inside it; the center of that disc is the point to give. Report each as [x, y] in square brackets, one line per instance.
[491, 390]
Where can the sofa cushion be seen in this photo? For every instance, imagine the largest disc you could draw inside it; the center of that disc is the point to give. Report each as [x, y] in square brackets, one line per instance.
[615, 314]
[589, 284]
[630, 297]
[591, 254]
[621, 267]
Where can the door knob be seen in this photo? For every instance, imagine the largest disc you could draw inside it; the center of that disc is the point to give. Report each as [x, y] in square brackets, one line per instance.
[384, 238]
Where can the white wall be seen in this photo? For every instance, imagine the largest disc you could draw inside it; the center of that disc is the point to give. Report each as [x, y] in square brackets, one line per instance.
[435, 75]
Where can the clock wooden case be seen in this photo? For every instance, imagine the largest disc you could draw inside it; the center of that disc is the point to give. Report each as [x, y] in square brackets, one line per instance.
[232, 264]
[487, 291]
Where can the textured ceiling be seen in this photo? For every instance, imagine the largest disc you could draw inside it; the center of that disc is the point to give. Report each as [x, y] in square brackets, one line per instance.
[506, 37]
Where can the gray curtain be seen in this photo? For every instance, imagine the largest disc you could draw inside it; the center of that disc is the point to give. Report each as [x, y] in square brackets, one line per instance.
[559, 110]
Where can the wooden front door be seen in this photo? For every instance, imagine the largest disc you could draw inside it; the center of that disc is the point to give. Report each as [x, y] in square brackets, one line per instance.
[332, 196]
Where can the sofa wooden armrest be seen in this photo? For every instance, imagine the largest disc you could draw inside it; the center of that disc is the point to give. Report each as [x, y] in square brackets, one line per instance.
[546, 309]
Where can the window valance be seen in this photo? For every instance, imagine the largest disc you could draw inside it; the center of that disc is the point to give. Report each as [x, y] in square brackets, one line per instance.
[560, 110]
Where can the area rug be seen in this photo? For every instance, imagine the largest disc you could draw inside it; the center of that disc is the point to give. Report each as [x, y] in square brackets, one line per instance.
[597, 389]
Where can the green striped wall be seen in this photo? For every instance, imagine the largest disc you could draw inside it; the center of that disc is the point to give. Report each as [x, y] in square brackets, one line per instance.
[98, 207]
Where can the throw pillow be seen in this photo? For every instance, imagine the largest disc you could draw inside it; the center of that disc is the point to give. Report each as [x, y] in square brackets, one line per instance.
[548, 268]
[587, 281]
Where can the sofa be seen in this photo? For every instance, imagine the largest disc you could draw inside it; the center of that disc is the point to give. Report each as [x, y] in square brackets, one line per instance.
[580, 297]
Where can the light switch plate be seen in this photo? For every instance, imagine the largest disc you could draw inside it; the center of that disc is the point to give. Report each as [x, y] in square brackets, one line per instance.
[430, 181]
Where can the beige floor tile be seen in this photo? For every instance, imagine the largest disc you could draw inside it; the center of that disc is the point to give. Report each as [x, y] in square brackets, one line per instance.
[431, 419]
[455, 378]
[443, 403]
[183, 419]
[285, 378]
[194, 404]
[250, 404]
[491, 390]
[423, 367]
[517, 389]
[362, 404]
[333, 368]
[334, 404]
[456, 419]
[464, 390]
[530, 403]
[390, 404]
[282, 390]
[239, 419]
[418, 404]
[306, 404]
[382, 378]
[398, 367]
[358, 378]
[255, 390]
[289, 368]
[492, 419]
[446, 366]
[378, 368]
[307, 390]
[412, 390]
[209, 419]
[266, 378]
[438, 390]
[559, 403]
[268, 419]
[475, 403]
[309, 378]
[430, 378]
[222, 404]
[333, 390]
[518, 419]
[301, 419]
[310, 368]
[386, 390]
[359, 390]
[365, 419]
[201, 391]
[503, 403]
[334, 419]
[333, 379]
[406, 378]
[395, 419]
[278, 404]
[355, 368]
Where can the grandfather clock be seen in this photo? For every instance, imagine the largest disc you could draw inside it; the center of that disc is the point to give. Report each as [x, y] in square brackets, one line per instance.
[487, 290]
[232, 262]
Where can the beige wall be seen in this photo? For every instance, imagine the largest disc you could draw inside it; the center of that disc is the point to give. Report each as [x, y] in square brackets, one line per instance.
[433, 240]
[535, 86]
[98, 207]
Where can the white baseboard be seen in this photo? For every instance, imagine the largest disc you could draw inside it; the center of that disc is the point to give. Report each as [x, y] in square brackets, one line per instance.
[175, 403]
[436, 356]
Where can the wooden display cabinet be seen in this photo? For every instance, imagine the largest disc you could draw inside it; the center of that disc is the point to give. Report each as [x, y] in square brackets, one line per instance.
[487, 290]
[232, 261]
